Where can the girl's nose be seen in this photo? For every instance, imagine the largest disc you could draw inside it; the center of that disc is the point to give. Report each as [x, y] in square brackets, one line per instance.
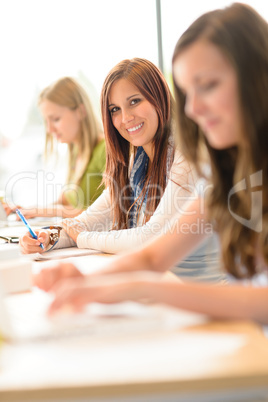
[127, 116]
[193, 106]
[50, 127]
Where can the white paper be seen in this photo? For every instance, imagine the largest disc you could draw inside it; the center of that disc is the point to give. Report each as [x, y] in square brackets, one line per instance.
[62, 253]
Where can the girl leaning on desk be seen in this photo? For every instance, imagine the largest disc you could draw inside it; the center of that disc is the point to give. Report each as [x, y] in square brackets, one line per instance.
[220, 72]
[147, 180]
[70, 119]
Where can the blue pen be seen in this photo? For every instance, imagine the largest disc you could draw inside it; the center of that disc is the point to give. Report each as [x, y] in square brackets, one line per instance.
[33, 234]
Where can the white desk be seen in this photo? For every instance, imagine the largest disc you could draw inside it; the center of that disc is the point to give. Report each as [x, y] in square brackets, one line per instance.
[172, 366]
[216, 361]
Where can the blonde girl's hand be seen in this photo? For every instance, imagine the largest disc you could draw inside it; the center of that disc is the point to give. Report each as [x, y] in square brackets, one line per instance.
[29, 213]
[29, 245]
[9, 209]
[73, 228]
[48, 277]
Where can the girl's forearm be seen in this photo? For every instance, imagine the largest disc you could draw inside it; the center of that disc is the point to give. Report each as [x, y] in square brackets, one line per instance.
[166, 250]
[217, 301]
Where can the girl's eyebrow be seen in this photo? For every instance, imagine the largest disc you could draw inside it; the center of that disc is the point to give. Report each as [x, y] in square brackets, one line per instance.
[201, 75]
[197, 80]
[132, 96]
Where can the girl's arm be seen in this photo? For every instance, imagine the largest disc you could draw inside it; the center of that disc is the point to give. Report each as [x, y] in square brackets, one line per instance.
[221, 302]
[158, 256]
[180, 189]
[54, 210]
[96, 217]
[166, 250]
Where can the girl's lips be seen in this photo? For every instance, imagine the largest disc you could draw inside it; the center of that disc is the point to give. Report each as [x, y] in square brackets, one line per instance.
[133, 130]
[208, 125]
[58, 136]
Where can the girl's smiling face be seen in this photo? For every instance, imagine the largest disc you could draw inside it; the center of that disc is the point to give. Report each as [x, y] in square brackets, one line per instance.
[209, 82]
[134, 117]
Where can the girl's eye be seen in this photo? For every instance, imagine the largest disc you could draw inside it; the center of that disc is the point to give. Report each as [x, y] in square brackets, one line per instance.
[114, 109]
[135, 101]
[55, 119]
[208, 86]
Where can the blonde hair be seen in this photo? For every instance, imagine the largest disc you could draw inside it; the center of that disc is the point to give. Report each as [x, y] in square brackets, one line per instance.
[68, 93]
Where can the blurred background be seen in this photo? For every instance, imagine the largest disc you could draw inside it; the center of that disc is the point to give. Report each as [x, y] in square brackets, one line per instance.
[42, 41]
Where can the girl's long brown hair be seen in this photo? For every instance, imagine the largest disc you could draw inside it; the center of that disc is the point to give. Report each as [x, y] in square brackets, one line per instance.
[242, 35]
[151, 83]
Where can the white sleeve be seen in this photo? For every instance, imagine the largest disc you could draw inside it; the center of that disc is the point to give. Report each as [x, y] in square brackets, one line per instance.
[179, 190]
[97, 218]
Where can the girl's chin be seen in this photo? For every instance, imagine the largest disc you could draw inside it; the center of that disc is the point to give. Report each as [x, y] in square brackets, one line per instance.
[221, 145]
[61, 140]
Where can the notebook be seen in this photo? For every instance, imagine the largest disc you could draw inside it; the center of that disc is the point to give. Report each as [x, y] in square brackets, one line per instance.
[23, 317]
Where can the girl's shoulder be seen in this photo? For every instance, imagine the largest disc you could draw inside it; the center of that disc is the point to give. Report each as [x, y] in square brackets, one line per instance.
[100, 147]
[98, 157]
[182, 171]
[180, 164]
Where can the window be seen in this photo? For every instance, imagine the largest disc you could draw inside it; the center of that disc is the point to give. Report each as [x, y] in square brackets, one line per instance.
[45, 40]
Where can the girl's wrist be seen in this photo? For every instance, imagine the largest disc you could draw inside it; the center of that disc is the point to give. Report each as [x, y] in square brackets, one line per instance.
[147, 286]
[53, 236]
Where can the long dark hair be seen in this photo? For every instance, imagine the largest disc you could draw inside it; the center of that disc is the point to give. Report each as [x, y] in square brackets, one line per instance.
[153, 86]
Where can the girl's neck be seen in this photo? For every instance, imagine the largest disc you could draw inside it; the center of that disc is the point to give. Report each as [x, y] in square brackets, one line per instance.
[149, 151]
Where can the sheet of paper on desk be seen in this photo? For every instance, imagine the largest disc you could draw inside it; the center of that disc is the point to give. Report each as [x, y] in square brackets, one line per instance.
[8, 251]
[62, 253]
[12, 221]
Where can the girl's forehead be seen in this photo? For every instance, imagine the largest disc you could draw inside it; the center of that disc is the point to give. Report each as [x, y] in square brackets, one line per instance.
[122, 87]
[199, 60]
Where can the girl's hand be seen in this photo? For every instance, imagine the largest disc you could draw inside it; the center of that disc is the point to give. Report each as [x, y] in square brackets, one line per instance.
[9, 209]
[77, 292]
[29, 245]
[48, 277]
[73, 228]
[29, 213]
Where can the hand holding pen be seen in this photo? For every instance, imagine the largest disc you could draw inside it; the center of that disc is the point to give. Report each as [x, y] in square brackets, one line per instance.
[33, 234]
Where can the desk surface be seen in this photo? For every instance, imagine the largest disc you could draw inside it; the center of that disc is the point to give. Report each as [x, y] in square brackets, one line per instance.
[203, 358]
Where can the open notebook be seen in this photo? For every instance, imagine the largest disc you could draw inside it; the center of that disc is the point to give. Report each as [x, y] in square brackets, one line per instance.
[23, 317]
